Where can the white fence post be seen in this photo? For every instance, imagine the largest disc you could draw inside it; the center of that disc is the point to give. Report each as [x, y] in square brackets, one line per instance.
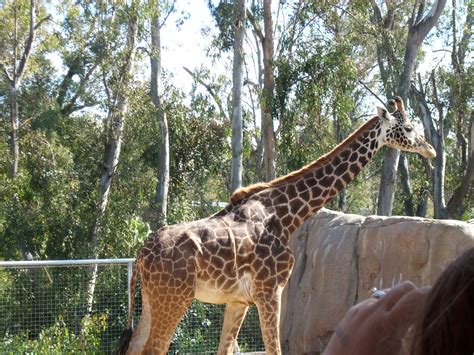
[129, 279]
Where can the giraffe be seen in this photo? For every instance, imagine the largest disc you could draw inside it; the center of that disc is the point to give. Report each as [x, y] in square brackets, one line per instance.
[240, 255]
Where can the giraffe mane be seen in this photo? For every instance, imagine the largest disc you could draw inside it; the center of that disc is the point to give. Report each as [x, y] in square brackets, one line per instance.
[247, 191]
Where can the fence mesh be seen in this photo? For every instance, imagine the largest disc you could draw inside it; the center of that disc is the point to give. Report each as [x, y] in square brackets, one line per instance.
[44, 310]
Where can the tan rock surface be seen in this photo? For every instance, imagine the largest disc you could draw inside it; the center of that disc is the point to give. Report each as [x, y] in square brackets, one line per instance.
[340, 257]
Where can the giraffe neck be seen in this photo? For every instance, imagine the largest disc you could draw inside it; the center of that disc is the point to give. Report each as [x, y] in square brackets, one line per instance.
[302, 193]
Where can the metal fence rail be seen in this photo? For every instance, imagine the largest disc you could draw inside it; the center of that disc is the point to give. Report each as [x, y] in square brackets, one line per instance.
[43, 309]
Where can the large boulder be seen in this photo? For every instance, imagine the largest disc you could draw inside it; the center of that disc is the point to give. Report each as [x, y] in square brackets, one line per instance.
[340, 257]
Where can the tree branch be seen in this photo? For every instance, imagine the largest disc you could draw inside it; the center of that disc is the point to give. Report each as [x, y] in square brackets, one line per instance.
[425, 25]
[256, 27]
[107, 89]
[421, 108]
[209, 89]
[29, 40]
[7, 74]
[71, 105]
[28, 44]
[368, 89]
[172, 8]
[419, 14]
[40, 22]
[355, 19]
[416, 34]
[377, 12]
[291, 29]
[26, 121]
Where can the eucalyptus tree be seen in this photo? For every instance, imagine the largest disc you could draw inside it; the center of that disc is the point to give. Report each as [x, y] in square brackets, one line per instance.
[442, 100]
[266, 42]
[160, 201]
[397, 74]
[23, 19]
[259, 15]
[268, 131]
[303, 74]
[116, 79]
[237, 81]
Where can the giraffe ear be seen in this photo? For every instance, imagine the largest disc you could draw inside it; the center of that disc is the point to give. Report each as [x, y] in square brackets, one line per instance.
[383, 113]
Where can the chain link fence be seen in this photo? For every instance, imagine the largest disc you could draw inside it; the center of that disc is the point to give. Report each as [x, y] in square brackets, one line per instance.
[44, 309]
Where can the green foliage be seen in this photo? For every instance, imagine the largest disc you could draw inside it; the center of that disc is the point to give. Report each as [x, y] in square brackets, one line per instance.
[58, 339]
[222, 14]
[468, 216]
[128, 239]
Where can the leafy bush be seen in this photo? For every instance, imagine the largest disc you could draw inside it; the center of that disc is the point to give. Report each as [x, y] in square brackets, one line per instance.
[58, 338]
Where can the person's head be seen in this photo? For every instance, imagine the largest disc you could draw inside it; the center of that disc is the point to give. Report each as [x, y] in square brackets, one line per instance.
[447, 324]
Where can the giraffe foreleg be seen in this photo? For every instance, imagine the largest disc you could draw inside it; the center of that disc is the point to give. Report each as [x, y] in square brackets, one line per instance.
[269, 306]
[233, 317]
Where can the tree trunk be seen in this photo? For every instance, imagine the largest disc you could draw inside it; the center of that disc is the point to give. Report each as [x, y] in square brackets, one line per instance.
[422, 207]
[466, 187]
[268, 85]
[163, 170]
[406, 186]
[420, 106]
[112, 155]
[116, 121]
[387, 182]
[342, 201]
[439, 203]
[259, 44]
[14, 81]
[237, 78]
[416, 35]
[14, 146]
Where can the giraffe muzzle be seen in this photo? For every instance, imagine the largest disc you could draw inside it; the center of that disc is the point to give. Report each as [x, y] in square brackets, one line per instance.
[428, 151]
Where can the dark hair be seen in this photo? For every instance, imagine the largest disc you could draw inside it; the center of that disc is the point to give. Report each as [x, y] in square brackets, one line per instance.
[447, 324]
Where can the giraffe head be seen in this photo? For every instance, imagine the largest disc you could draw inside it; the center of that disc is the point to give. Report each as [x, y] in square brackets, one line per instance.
[398, 132]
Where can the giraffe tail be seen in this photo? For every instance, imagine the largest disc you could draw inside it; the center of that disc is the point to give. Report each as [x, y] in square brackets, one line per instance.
[126, 335]
[124, 341]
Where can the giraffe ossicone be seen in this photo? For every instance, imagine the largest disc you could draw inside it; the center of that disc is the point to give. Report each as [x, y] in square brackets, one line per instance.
[240, 256]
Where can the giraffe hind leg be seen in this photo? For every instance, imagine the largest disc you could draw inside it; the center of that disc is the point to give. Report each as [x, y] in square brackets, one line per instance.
[167, 313]
[142, 331]
[161, 315]
[168, 286]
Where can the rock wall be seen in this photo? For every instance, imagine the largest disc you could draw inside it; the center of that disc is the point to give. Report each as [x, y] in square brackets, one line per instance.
[340, 257]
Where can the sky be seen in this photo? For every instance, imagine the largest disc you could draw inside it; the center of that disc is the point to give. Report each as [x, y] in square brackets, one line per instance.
[185, 45]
